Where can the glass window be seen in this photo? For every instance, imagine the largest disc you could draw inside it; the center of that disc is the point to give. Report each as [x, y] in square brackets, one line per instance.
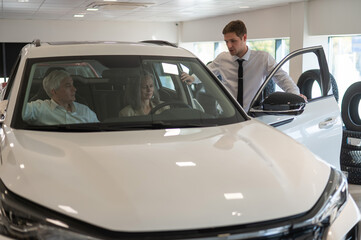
[345, 61]
[263, 45]
[207, 51]
[278, 48]
[121, 93]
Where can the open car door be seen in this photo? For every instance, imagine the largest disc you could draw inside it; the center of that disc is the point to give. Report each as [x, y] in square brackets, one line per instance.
[316, 123]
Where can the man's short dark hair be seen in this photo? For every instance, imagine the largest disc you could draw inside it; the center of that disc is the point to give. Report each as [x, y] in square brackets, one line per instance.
[237, 26]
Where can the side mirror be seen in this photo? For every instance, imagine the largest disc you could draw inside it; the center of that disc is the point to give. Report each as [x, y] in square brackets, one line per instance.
[280, 103]
[3, 107]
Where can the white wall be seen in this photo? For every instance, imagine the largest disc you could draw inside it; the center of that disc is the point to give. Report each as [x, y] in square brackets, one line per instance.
[314, 17]
[268, 23]
[306, 23]
[334, 17]
[28, 30]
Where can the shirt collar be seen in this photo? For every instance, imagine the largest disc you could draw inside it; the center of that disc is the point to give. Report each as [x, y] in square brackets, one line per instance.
[245, 56]
[54, 105]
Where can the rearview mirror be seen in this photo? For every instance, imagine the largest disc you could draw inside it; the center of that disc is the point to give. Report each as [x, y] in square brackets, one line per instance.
[280, 103]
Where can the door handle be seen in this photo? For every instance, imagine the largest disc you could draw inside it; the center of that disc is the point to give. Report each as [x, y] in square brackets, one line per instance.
[329, 122]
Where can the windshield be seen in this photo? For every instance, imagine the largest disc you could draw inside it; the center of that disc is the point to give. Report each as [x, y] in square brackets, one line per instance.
[120, 93]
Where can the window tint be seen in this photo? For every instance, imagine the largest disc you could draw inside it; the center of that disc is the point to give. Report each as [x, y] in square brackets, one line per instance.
[345, 61]
[121, 92]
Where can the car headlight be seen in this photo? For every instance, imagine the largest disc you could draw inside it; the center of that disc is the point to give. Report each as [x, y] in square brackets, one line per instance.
[330, 203]
[22, 219]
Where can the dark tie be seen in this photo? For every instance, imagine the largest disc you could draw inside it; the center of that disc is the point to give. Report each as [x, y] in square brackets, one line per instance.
[240, 82]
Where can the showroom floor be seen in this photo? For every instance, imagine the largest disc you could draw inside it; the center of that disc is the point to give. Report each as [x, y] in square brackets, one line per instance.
[355, 191]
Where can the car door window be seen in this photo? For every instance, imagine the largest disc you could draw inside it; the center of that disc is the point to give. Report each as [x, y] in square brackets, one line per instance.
[308, 123]
[313, 62]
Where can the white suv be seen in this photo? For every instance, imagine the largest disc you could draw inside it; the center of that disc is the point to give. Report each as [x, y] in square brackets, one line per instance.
[196, 167]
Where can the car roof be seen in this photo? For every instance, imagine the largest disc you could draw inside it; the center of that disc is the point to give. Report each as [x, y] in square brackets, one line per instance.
[151, 48]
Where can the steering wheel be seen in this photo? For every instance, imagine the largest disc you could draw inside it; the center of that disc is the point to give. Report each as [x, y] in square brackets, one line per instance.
[173, 104]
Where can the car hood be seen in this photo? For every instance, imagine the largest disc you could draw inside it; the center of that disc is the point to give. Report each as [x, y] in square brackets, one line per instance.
[173, 179]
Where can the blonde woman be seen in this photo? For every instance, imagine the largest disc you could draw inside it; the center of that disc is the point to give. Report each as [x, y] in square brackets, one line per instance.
[141, 97]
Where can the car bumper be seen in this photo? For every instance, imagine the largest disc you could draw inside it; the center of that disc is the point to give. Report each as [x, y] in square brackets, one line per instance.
[347, 224]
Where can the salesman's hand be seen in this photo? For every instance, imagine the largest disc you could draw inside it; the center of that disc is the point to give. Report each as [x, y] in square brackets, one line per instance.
[187, 78]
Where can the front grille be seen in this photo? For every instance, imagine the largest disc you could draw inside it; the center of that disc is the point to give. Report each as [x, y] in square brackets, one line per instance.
[280, 233]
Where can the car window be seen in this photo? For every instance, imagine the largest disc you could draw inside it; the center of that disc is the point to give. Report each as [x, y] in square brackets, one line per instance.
[311, 80]
[108, 91]
[79, 68]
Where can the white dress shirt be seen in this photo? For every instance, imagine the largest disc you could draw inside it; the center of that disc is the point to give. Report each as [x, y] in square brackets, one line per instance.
[48, 112]
[256, 67]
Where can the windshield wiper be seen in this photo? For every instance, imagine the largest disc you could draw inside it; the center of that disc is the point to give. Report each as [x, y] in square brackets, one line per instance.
[91, 127]
[66, 128]
[160, 125]
[116, 126]
[134, 125]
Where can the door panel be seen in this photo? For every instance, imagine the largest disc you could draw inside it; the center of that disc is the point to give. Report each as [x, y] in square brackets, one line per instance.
[316, 124]
[319, 128]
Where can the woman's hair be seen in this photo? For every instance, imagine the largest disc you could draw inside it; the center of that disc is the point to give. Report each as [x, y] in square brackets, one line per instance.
[53, 80]
[237, 26]
[133, 95]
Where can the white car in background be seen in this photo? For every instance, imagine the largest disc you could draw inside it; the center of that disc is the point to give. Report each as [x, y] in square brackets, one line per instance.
[200, 169]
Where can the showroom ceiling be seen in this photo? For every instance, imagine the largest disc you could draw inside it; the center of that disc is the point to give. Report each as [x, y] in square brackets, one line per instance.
[132, 10]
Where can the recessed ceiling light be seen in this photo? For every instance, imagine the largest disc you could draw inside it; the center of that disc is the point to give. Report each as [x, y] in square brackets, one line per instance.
[232, 196]
[23, 1]
[92, 9]
[243, 6]
[111, 5]
[78, 15]
[186, 164]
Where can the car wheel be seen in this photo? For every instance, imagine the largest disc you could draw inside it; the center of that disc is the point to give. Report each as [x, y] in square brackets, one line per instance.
[306, 80]
[349, 108]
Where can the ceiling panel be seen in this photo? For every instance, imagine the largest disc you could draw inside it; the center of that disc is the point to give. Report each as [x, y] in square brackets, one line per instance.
[157, 10]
